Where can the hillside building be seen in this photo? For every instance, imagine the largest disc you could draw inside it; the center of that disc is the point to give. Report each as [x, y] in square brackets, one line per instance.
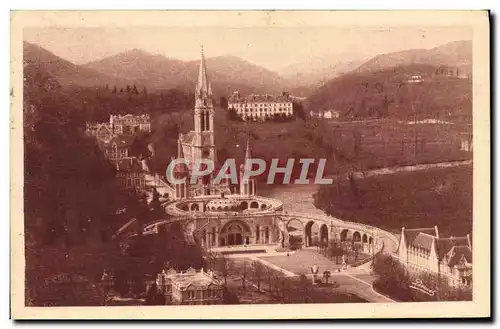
[130, 173]
[423, 250]
[260, 107]
[415, 79]
[190, 287]
[128, 125]
[117, 147]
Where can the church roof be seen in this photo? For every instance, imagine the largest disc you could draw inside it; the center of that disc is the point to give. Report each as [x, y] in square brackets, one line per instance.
[189, 138]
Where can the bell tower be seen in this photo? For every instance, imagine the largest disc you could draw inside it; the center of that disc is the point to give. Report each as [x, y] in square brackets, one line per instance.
[204, 141]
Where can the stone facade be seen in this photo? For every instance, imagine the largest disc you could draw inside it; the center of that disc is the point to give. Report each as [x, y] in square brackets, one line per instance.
[128, 125]
[190, 287]
[423, 250]
[258, 107]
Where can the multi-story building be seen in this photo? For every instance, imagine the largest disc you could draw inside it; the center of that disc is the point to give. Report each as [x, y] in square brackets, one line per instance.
[130, 173]
[423, 250]
[119, 125]
[117, 147]
[130, 124]
[260, 107]
[101, 131]
[190, 288]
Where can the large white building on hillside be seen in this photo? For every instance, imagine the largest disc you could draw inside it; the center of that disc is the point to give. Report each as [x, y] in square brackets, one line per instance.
[260, 107]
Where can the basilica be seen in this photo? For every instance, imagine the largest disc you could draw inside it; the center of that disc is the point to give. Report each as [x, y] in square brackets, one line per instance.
[213, 214]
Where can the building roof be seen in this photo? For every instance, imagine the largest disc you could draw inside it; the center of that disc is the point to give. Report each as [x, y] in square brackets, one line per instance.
[236, 98]
[444, 245]
[459, 253]
[411, 234]
[423, 240]
[189, 278]
[189, 138]
[120, 141]
[131, 116]
[130, 164]
[451, 250]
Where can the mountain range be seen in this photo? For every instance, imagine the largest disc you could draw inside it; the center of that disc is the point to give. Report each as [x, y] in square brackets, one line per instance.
[380, 86]
[230, 73]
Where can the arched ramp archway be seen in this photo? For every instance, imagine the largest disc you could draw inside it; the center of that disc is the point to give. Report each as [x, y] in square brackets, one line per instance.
[365, 238]
[356, 237]
[235, 232]
[295, 230]
[195, 207]
[311, 231]
[343, 235]
[244, 205]
[254, 205]
[323, 233]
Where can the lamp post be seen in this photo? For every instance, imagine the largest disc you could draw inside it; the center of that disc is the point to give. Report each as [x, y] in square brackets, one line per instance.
[314, 271]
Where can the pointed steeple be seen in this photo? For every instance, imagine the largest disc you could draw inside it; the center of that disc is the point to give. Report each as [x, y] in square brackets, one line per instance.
[247, 153]
[180, 152]
[203, 85]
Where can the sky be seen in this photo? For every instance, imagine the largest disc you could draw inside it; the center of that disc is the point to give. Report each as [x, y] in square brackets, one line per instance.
[271, 47]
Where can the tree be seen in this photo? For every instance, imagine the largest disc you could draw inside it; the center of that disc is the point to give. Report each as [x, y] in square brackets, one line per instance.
[269, 274]
[298, 110]
[223, 102]
[114, 90]
[244, 275]
[233, 115]
[224, 267]
[304, 285]
[327, 275]
[154, 296]
[134, 89]
[121, 90]
[107, 86]
[127, 89]
[258, 271]
[144, 91]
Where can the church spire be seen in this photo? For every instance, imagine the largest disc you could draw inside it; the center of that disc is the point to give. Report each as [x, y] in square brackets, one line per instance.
[247, 153]
[180, 152]
[203, 88]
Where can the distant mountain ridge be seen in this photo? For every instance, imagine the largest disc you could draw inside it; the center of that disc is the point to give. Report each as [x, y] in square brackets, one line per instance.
[457, 54]
[38, 59]
[227, 73]
[306, 76]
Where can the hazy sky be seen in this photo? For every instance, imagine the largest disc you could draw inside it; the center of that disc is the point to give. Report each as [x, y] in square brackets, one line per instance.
[273, 48]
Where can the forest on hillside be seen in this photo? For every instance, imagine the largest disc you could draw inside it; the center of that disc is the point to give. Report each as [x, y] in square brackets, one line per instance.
[388, 94]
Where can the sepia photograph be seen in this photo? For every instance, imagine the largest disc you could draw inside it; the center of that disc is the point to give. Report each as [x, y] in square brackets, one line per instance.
[210, 164]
